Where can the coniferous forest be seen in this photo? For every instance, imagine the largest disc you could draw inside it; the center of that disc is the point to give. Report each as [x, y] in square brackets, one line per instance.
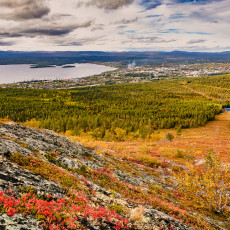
[114, 111]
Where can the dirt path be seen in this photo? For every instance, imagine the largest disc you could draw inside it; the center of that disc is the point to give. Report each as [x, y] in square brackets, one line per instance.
[201, 93]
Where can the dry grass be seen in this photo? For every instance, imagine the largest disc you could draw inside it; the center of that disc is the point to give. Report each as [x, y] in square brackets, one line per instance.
[198, 141]
[5, 120]
[137, 214]
[214, 135]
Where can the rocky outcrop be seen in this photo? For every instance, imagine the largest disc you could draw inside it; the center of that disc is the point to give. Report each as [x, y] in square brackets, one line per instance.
[39, 143]
[44, 140]
[9, 146]
[157, 218]
[15, 178]
[18, 222]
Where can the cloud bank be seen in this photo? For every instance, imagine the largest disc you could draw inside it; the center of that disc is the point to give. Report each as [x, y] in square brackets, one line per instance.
[24, 9]
[115, 25]
[106, 4]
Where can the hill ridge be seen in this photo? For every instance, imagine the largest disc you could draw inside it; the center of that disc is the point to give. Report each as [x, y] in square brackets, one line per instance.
[21, 144]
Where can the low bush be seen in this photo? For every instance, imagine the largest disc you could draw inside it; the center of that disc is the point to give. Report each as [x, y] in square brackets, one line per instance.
[207, 186]
[62, 213]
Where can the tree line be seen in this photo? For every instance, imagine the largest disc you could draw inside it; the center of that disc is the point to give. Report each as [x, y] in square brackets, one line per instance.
[113, 111]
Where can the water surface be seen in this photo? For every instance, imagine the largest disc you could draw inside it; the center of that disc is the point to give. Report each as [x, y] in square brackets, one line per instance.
[18, 73]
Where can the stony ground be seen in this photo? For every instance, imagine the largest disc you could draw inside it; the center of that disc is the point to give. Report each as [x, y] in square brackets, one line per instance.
[92, 171]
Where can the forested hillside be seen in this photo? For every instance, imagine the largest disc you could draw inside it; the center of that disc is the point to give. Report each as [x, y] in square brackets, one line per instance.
[136, 175]
[116, 112]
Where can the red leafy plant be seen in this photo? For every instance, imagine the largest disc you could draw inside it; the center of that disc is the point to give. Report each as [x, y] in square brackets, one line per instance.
[62, 213]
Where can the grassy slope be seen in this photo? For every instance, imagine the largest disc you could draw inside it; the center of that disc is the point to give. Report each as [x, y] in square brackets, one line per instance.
[193, 144]
[214, 135]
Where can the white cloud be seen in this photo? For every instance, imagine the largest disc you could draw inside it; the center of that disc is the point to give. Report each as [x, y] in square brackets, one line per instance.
[116, 25]
[105, 4]
[23, 9]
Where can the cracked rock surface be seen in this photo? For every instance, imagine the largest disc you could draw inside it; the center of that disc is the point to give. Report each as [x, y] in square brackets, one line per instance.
[18, 222]
[13, 176]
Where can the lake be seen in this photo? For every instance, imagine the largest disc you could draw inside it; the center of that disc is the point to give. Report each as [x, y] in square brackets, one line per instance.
[18, 73]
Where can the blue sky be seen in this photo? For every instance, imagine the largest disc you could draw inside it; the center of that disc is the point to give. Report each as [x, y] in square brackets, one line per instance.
[115, 25]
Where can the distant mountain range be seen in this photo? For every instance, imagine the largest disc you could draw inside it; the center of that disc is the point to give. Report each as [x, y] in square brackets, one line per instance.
[141, 58]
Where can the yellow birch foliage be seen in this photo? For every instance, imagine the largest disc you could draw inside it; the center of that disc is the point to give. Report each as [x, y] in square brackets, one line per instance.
[208, 186]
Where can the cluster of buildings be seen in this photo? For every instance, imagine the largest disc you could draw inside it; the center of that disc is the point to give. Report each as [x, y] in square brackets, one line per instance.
[185, 70]
[130, 74]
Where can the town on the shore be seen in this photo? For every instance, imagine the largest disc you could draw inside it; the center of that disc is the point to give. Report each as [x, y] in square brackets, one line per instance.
[130, 73]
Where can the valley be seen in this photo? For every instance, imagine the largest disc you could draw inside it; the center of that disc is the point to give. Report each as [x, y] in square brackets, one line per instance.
[154, 156]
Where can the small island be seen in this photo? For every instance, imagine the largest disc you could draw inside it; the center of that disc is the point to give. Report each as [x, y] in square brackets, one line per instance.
[68, 66]
[37, 66]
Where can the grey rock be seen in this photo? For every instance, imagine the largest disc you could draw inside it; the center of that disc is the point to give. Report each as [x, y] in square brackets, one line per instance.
[11, 147]
[162, 220]
[70, 163]
[3, 149]
[44, 140]
[12, 176]
[18, 222]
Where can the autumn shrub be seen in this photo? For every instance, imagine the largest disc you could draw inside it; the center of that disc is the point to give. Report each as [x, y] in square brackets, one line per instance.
[169, 136]
[62, 213]
[145, 149]
[109, 136]
[207, 186]
[52, 157]
[156, 137]
[4, 120]
[146, 159]
[84, 169]
[184, 155]
[179, 154]
[33, 123]
[23, 144]
[120, 134]
[179, 131]
[118, 208]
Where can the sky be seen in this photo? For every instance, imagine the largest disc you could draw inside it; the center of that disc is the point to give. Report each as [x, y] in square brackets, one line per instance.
[115, 25]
